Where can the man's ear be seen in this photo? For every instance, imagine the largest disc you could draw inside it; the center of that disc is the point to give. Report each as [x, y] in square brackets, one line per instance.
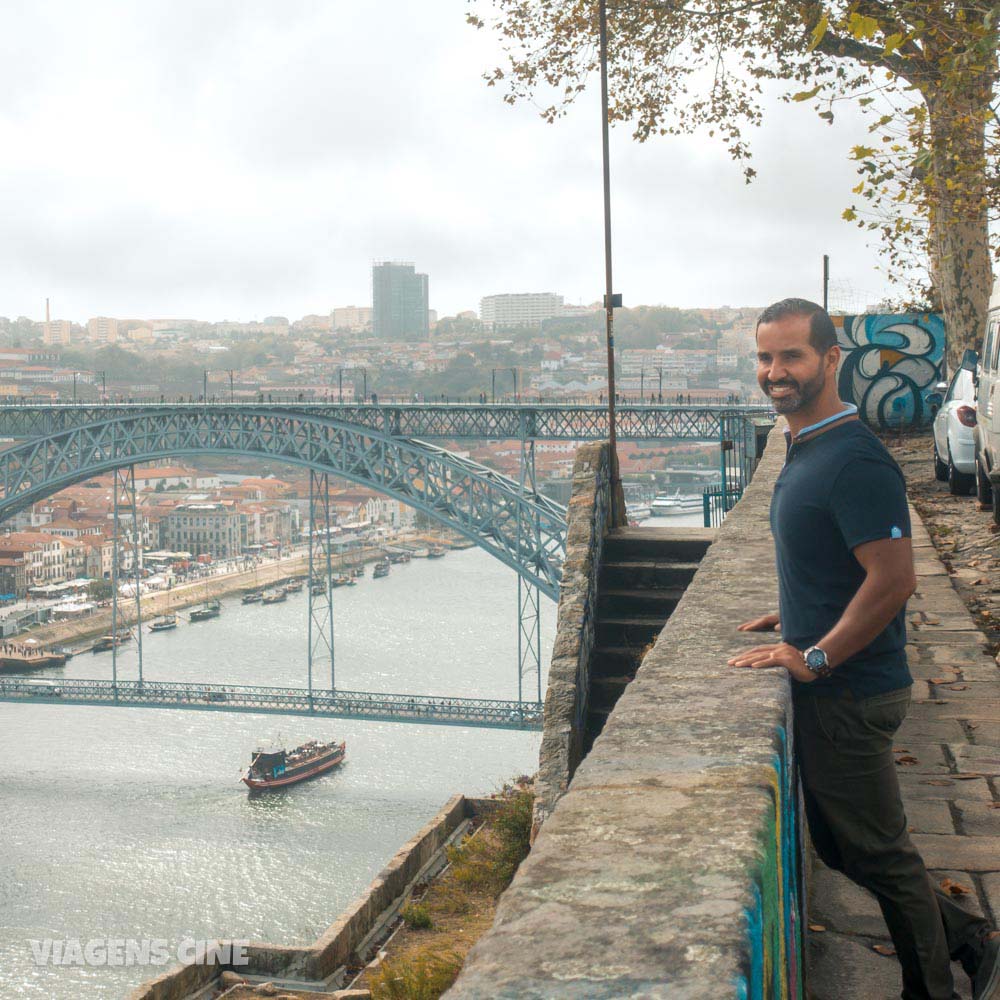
[833, 356]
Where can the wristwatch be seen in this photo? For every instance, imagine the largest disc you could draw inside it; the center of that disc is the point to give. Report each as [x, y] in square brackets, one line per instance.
[817, 662]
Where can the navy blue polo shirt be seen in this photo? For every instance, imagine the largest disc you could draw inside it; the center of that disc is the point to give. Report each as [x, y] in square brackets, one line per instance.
[837, 491]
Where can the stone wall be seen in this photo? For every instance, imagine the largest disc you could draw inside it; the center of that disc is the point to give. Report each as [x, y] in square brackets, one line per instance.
[589, 516]
[670, 867]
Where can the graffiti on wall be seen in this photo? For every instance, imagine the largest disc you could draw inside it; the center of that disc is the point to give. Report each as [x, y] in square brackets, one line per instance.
[891, 364]
[774, 921]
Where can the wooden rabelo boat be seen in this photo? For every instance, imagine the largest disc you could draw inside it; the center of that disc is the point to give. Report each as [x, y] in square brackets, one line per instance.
[280, 768]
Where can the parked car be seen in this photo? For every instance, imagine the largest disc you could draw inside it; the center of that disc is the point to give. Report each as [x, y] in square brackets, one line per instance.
[954, 429]
[987, 432]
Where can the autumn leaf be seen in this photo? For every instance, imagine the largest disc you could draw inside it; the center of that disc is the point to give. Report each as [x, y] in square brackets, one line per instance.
[955, 888]
[848, 215]
[862, 27]
[906, 760]
[817, 928]
[884, 949]
[807, 95]
[958, 687]
[893, 42]
[818, 32]
[935, 781]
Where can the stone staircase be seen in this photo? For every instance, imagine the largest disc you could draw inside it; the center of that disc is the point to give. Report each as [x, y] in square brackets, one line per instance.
[644, 573]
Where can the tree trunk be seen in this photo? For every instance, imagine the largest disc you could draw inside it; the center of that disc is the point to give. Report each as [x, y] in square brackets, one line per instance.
[958, 220]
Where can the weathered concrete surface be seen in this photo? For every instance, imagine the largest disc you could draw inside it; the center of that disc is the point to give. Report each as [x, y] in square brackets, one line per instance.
[642, 880]
[589, 517]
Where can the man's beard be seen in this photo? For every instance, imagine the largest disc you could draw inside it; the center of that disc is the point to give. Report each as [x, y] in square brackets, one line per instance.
[802, 394]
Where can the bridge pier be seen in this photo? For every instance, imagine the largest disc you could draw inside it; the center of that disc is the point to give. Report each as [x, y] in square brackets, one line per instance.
[319, 635]
[124, 487]
[529, 640]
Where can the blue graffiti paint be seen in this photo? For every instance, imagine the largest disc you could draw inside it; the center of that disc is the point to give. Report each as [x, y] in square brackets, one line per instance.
[890, 365]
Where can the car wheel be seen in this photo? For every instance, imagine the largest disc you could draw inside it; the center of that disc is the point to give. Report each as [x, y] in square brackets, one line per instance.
[940, 468]
[959, 483]
[984, 491]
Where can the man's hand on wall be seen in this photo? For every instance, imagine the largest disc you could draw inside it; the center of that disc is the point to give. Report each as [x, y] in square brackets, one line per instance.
[779, 654]
[766, 623]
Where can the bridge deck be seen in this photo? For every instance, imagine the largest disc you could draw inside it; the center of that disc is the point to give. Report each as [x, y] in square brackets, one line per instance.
[375, 705]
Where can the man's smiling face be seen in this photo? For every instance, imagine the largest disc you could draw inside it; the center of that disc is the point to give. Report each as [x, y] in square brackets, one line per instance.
[790, 371]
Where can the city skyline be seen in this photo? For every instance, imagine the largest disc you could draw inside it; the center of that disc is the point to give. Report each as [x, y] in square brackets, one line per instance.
[221, 166]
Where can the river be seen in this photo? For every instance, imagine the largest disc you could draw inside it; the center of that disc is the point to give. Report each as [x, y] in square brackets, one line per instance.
[132, 823]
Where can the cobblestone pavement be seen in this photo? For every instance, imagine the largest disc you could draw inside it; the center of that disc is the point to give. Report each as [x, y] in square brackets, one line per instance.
[948, 749]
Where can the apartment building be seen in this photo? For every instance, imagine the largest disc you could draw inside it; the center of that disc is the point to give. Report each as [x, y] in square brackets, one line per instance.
[519, 309]
[203, 528]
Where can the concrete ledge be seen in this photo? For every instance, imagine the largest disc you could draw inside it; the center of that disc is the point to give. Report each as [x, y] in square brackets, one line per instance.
[669, 868]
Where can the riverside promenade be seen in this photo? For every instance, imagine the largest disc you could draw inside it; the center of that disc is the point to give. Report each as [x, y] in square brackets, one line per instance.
[948, 756]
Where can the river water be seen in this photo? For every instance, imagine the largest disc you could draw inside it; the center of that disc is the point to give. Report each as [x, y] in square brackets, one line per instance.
[132, 823]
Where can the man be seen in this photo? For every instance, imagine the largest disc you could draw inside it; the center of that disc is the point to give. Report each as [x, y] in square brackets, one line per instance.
[845, 571]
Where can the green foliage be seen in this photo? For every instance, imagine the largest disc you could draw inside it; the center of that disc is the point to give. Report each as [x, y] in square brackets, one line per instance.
[926, 71]
[487, 864]
[417, 916]
[425, 977]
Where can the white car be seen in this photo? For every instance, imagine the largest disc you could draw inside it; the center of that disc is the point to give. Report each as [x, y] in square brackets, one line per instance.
[954, 430]
[988, 411]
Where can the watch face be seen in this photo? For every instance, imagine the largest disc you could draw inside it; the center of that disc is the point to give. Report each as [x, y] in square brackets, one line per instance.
[815, 659]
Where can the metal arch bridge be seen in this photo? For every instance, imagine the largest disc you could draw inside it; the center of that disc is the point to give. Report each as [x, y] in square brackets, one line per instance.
[451, 421]
[340, 704]
[520, 527]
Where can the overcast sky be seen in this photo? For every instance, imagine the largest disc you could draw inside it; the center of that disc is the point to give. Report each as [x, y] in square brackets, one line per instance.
[232, 159]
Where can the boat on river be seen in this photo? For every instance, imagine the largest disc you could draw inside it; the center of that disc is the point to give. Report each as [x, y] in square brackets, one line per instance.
[294, 587]
[664, 505]
[435, 552]
[280, 768]
[381, 569]
[164, 623]
[210, 609]
[274, 596]
[252, 597]
[109, 641]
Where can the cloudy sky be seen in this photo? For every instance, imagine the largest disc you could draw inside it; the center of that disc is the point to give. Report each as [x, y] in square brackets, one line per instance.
[231, 159]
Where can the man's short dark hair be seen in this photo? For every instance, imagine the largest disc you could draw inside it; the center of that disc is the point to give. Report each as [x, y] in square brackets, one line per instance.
[822, 332]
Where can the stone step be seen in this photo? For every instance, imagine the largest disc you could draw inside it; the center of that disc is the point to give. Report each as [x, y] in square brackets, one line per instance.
[613, 661]
[681, 544]
[636, 631]
[646, 573]
[652, 601]
[605, 691]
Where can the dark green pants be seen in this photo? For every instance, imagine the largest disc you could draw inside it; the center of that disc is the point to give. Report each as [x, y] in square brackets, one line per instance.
[858, 827]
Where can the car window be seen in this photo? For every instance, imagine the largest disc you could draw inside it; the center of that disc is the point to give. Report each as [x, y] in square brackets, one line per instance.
[996, 346]
[962, 387]
[987, 354]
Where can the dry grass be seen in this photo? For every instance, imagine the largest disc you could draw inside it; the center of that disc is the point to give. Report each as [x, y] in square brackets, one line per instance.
[424, 961]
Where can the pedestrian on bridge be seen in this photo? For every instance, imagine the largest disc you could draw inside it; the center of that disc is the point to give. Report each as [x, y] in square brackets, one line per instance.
[841, 530]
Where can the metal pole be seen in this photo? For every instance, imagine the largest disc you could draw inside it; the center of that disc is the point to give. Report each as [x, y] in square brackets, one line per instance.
[642, 384]
[493, 387]
[104, 386]
[136, 552]
[231, 392]
[74, 385]
[114, 592]
[204, 386]
[826, 282]
[513, 372]
[340, 385]
[364, 391]
[609, 287]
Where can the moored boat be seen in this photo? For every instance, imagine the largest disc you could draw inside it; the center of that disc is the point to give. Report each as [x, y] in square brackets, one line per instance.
[210, 609]
[109, 641]
[399, 557]
[163, 623]
[252, 597]
[280, 768]
[16, 658]
[317, 587]
[435, 552]
[381, 569]
[273, 597]
[294, 587]
[664, 505]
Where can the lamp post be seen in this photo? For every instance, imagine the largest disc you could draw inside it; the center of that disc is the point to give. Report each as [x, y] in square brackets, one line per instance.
[74, 385]
[609, 296]
[104, 385]
[493, 386]
[340, 385]
[231, 391]
[204, 386]
[513, 372]
[364, 391]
